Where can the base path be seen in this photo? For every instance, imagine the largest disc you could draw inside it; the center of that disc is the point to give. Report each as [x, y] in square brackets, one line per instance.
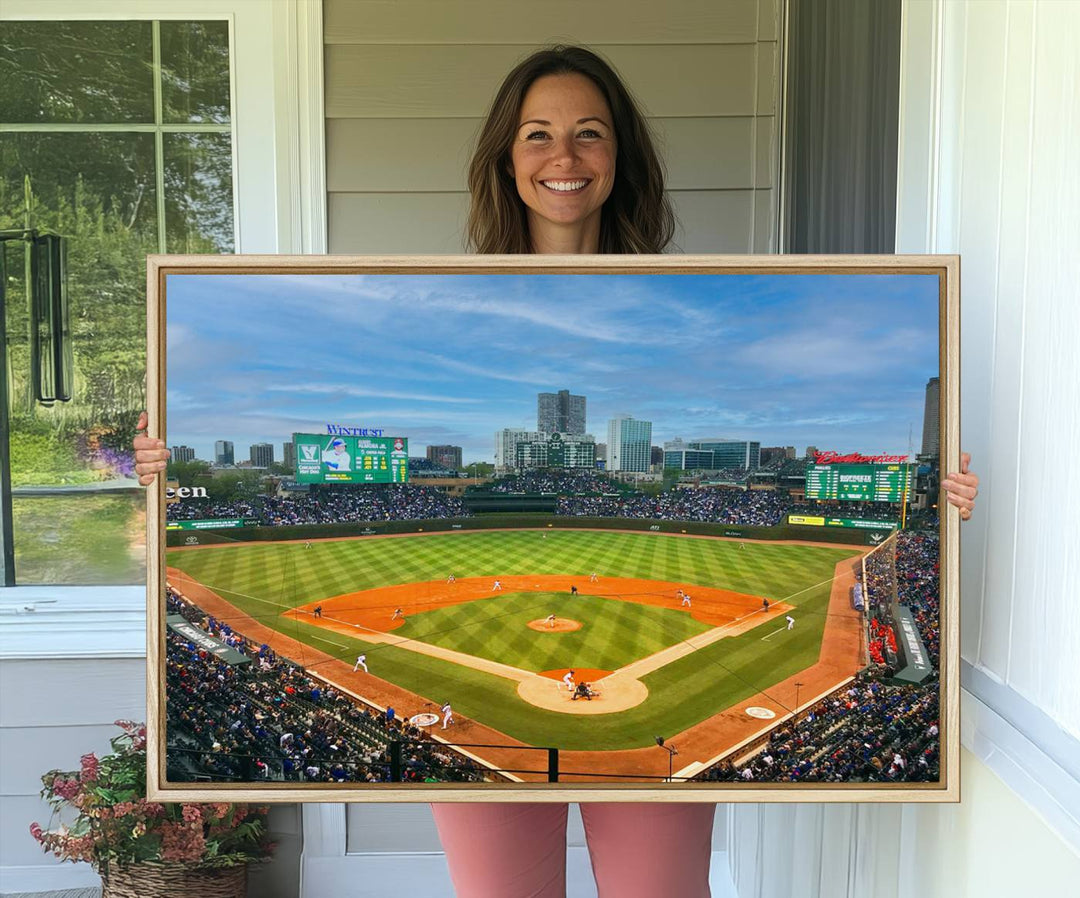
[363, 615]
[839, 658]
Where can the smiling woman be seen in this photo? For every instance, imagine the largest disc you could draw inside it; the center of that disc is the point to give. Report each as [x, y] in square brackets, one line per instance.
[563, 162]
[560, 118]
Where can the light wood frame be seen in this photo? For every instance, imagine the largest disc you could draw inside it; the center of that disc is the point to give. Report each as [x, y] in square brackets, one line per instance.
[945, 267]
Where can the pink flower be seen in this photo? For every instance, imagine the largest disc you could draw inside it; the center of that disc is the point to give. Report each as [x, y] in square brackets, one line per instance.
[65, 788]
[89, 767]
[37, 832]
[192, 814]
[181, 842]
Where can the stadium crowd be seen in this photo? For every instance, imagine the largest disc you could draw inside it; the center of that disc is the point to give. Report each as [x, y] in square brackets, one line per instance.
[330, 505]
[910, 576]
[764, 508]
[870, 732]
[580, 494]
[571, 482]
[268, 720]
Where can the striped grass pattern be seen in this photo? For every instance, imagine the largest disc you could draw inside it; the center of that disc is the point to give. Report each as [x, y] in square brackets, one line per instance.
[265, 579]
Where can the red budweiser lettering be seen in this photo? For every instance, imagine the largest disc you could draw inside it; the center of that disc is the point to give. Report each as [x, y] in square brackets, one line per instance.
[854, 458]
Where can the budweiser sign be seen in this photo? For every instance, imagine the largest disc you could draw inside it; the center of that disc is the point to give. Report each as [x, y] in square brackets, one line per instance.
[854, 458]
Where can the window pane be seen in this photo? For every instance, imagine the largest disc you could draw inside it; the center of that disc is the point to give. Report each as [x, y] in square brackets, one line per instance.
[76, 72]
[198, 193]
[195, 72]
[98, 191]
[82, 539]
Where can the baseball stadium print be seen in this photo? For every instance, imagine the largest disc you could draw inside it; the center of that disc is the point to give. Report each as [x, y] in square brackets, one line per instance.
[541, 528]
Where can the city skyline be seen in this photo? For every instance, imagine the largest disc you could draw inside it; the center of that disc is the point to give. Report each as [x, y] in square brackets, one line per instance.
[837, 361]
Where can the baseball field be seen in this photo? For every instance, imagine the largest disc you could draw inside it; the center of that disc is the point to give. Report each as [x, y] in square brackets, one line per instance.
[426, 612]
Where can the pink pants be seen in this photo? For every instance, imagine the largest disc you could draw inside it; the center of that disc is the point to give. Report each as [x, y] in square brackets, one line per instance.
[638, 850]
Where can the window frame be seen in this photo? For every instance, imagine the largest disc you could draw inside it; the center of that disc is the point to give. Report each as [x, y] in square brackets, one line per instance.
[276, 93]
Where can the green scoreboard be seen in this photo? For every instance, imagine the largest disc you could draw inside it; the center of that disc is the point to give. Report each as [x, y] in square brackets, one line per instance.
[862, 483]
[334, 458]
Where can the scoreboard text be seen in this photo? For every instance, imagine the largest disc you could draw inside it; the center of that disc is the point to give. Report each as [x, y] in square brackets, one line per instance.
[336, 458]
[858, 483]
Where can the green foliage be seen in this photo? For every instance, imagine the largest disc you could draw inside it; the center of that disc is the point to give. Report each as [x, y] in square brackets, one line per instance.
[39, 457]
[232, 487]
[116, 825]
[189, 473]
[87, 539]
[99, 190]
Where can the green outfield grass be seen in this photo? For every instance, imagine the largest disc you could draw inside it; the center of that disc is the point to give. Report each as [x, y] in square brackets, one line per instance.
[263, 580]
[612, 634]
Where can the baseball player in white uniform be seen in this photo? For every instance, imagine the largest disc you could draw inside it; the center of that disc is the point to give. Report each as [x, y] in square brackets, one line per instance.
[550, 620]
[497, 585]
[790, 622]
[361, 661]
[686, 599]
[568, 679]
[447, 715]
[335, 457]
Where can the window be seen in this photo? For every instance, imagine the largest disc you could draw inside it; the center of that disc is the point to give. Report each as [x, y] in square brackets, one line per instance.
[118, 136]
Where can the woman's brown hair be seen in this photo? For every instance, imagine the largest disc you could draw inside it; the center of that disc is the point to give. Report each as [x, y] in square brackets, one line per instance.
[637, 216]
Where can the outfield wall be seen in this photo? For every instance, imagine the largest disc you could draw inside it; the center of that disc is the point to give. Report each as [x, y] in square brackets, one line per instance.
[843, 536]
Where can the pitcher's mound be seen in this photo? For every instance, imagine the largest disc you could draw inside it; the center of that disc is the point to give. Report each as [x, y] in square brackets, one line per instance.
[559, 625]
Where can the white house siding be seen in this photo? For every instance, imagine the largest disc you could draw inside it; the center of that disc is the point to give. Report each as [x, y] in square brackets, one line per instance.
[408, 83]
[989, 142]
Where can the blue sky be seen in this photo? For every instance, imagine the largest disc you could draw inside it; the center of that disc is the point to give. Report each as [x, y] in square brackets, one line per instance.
[835, 361]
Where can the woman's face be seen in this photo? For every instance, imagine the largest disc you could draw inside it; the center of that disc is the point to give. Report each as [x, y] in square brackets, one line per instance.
[563, 155]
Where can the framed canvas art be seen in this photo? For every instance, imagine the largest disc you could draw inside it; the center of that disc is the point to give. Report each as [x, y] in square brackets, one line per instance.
[554, 528]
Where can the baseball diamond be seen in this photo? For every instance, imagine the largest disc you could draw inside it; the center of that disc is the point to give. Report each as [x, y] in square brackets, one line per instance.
[654, 665]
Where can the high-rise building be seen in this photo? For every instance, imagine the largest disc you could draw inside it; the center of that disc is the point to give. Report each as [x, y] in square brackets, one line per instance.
[931, 425]
[448, 457]
[560, 413]
[506, 446]
[732, 453]
[656, 455]
[288, 455]
[182, 453]
[261, 455]
[223, 453]
[712, 455]
[629, 444]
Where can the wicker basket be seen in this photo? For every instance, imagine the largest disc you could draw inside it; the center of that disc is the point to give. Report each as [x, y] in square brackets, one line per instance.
[150, 880]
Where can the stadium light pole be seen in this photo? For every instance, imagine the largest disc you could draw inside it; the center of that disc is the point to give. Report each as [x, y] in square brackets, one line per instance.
[798, 686]
[672, 751]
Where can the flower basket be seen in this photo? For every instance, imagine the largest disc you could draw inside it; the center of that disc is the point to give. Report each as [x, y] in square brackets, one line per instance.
[164, 880]
[148, 849]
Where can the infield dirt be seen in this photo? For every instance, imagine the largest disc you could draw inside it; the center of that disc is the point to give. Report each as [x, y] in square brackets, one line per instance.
[366, 615]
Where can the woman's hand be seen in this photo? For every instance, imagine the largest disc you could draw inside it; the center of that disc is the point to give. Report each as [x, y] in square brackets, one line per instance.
[151, 456]
[961, 489]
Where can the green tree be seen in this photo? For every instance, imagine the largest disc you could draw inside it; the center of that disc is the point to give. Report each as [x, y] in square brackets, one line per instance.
[189, 473]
